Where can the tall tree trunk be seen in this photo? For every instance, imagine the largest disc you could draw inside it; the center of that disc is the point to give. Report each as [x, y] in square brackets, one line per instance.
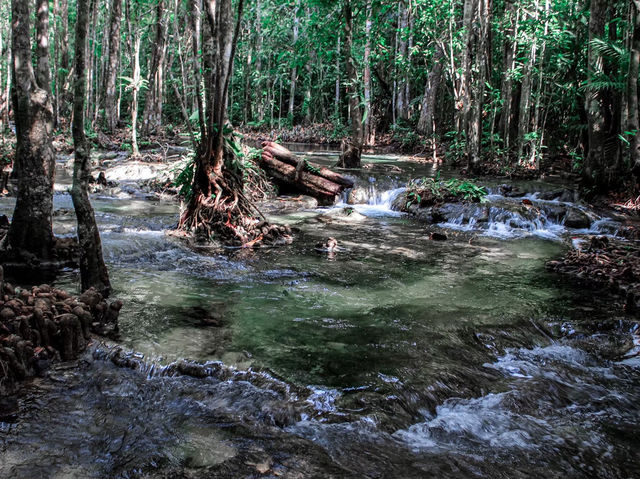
[633, 123]
[152, 116]
[596, 161]
[5, 91]
[352, 151]
[62, 49]
[481, 58]
[463, 109]
[510, 50]
[294, 69]
[93, 272]
[368, 136]
[217, 204]
[426, 122]
[524, 120]
[338, 77]
[111, 73]
[43, 67]
[31, 227]
[137, 83]
[195, 16]
[259, 53]
[402, 102]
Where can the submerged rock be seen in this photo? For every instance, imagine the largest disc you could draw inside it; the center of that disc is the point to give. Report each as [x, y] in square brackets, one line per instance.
[435, 236]
[577, 219]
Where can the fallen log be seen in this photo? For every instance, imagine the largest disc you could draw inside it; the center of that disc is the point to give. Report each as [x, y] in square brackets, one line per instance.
[285, 167]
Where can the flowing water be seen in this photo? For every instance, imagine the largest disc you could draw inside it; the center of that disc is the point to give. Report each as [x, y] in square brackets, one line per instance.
[395, 356]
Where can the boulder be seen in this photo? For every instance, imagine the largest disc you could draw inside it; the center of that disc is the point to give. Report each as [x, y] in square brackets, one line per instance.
[577, 219]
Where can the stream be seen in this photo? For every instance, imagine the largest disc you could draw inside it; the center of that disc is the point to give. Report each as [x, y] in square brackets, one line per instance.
[396, 356]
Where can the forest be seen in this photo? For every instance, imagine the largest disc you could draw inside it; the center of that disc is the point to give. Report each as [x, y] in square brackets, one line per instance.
[313, 238]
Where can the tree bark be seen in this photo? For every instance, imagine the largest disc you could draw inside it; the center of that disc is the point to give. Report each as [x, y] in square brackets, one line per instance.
[402, 102]
[633, 123]
[286, 156]
[481, 58]
[463, 109]
[93, 272]
[352, 151]
[596, 161]
[31, 227]
[294, 69]
[43, 67]
[368, 136]
[426, 122]
[63, 59]
[524, 119]
[195, 17]
[111, 75]
[510, 50]
[137, 83]
[152, 116]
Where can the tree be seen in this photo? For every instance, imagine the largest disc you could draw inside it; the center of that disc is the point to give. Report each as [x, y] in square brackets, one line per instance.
[31, 228]
[93, 272]
[111, 74]
[633, 123]
[152, 116]
[598, 165]
[217, 204]
[352, 151]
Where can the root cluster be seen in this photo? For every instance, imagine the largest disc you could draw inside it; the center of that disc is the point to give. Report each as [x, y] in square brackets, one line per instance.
[44, 324]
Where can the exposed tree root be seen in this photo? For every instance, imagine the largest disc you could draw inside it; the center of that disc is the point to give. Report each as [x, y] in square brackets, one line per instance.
[43, 324]
[222, 213]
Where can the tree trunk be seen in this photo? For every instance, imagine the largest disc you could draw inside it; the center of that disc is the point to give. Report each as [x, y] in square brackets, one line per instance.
[632, 89]
[294, 69]
[510, 50]
[402, 102]
[368, 137]
[259, 53]
[524, 120]
[463, 109]
[481, 58]
[152, 116]
[286, 156]
[596, 161]
[137, 82]
[31, 227]
[338, 76]
[111, 75]
[93, 272]
[195, 16]
[352, 151]
[43, 68]
[5, 94]
[63, 59]
[426, 123]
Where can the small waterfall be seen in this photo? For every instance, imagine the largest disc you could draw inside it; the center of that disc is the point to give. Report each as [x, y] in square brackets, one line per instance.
[375, 198]
[506, 218]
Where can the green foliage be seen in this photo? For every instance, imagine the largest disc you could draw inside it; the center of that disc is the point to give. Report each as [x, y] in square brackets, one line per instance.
[428, 191]
[184, 178]
[405, 135]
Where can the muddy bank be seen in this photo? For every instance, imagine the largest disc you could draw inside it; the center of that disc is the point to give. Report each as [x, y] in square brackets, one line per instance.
[42, 325]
